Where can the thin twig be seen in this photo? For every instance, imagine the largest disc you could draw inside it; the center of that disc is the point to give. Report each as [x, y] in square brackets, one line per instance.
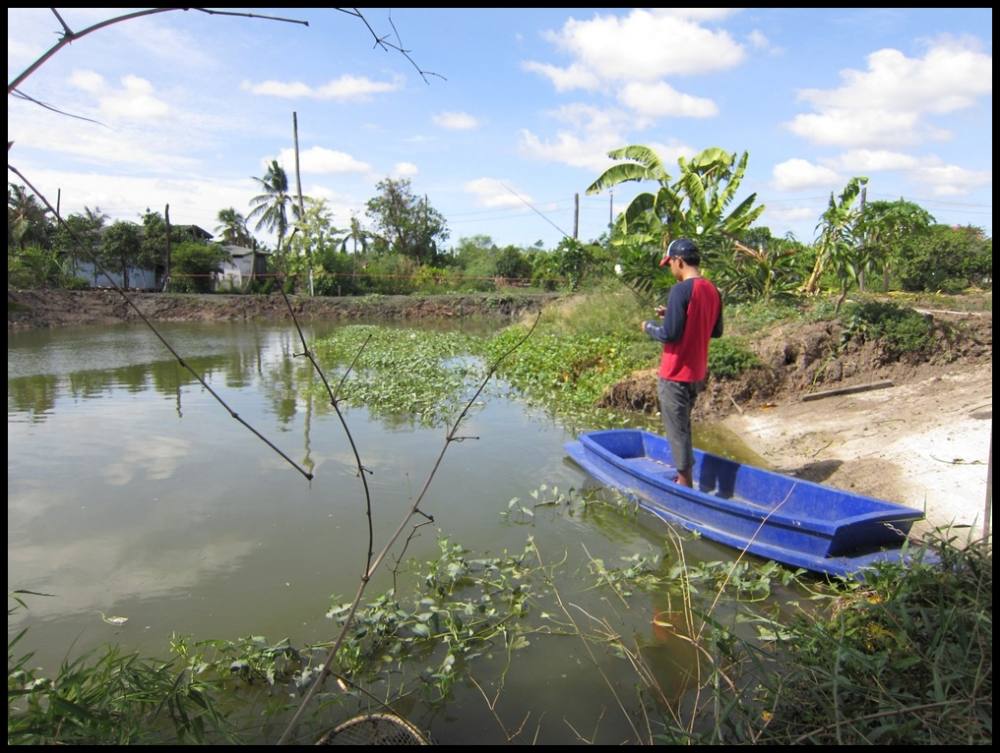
[381, 42]
[392, 540]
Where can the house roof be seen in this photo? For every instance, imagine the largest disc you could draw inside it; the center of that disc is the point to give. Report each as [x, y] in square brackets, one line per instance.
[242, 250]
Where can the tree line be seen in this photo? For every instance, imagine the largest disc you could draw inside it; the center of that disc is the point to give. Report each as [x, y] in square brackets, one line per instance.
[877, 245]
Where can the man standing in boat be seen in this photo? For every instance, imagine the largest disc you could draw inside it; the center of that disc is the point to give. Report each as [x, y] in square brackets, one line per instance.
[693, 314]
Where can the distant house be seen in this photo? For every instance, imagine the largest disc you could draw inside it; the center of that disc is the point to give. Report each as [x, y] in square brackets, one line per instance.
[141, 278]
[236, 272]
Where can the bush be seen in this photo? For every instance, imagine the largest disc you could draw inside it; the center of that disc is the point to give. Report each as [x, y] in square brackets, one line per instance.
[901, 330]
[194, 265]
[729, 357]
[947, 259]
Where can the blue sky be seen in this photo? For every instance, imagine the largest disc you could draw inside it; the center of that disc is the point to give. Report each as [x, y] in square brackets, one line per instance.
[192, 105]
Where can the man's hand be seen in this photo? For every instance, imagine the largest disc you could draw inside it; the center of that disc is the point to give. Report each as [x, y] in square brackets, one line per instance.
[642, 327]
[661, 311]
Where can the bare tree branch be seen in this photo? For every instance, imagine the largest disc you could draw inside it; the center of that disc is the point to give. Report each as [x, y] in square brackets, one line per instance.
[381, 42]
[69, 36]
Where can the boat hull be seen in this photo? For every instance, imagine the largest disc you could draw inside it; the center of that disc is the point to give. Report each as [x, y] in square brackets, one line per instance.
[769, 514]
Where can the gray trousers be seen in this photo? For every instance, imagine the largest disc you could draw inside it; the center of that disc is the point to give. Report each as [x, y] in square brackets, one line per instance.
[676, 401]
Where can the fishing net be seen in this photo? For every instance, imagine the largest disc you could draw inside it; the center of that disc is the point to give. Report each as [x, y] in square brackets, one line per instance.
[374, 729]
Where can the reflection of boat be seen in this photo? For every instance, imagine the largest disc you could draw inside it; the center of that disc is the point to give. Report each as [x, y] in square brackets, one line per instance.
[769, 514]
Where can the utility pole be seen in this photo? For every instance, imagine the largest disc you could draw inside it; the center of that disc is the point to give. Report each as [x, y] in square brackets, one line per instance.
[302, 208]
[576, 216]
[861, 271]
[166, 279]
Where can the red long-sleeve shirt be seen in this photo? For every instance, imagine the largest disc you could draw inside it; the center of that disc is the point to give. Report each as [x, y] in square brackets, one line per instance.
[693, 315]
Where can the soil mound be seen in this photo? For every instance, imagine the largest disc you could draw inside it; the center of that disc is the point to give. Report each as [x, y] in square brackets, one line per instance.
[801, 358]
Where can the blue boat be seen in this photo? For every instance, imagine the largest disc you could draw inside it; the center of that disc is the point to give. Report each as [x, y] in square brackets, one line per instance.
[769, 514]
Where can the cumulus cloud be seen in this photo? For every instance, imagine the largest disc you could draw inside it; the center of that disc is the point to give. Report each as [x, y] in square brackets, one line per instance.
[404, 169]
[345, 88]
[609, 49]
[456, 121]
[321, 160]
[592, 133]
[951, 180]
[871, 160]
[135, 100]
[796, 174]
[888, 103]
[662, 100]
[491, 193]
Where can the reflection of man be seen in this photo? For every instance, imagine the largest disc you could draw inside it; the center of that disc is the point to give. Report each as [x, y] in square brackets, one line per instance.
[692, 315]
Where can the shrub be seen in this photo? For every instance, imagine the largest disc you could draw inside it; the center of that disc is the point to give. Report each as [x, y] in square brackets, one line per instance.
[729, 357]
[901, 330]
[194, 264]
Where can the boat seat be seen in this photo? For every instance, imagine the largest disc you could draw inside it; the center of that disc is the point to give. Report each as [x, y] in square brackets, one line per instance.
[654, 468]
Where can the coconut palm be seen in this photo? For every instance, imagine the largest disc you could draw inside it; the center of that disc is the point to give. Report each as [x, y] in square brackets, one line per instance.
[356, 234]
[270, 208]
[232, 228]
[28, 223]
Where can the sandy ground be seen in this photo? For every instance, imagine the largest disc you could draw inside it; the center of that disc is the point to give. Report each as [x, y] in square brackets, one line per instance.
[924, 444]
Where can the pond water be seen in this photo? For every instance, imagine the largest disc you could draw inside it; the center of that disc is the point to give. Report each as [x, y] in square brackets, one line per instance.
[132, 493]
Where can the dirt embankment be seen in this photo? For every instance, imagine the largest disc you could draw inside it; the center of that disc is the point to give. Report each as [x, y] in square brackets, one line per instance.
[53, 308]
[924, 441]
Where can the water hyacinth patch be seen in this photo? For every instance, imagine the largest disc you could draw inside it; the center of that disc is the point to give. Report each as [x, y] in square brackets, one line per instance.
[402, 372]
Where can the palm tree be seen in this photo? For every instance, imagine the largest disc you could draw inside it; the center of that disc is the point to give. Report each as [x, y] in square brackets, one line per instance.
[270, 208]
[357, 235]
[233, 228]
[28, 223]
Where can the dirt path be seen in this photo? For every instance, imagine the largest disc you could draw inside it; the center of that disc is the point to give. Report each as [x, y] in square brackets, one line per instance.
[924, 444]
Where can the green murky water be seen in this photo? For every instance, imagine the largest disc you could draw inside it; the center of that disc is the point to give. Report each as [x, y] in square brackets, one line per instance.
[131, 492]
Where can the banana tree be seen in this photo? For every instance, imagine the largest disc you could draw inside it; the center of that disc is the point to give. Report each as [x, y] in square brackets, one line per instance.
[696, 205]
[837, 243]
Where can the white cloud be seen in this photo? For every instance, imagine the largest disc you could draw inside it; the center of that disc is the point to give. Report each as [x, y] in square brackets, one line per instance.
[758, 40]
[135, 100]
[572, 77]
[404, 169]
[345, 88]
[662, 100]
[871, 160]
[320, 160]
[791, 214]
[602, 131]
[642, 46]
[951, 180]
[490, 192]
[886, 104]
[456, 121]
[88, 81]
[796, 174]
